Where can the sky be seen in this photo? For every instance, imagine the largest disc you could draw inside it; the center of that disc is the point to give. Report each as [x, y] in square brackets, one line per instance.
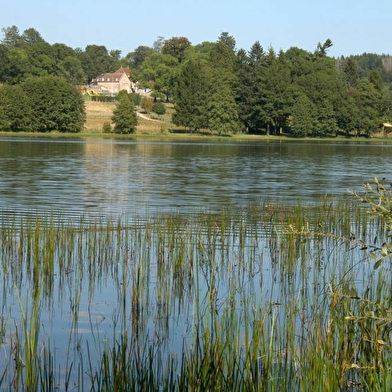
[354, 26]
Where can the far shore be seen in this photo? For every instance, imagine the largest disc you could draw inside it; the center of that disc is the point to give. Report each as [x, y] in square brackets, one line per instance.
[160, 128]
[191, 137]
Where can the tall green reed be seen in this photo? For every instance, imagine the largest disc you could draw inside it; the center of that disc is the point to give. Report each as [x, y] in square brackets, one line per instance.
[265, 298]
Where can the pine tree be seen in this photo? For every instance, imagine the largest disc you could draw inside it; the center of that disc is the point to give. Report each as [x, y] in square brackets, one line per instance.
[191, 96]
[223, 111]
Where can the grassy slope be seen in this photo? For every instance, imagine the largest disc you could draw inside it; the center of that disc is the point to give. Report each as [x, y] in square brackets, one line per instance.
[100, 112]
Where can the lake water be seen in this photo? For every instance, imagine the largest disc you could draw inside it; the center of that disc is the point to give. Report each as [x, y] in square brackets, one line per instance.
[113, 177]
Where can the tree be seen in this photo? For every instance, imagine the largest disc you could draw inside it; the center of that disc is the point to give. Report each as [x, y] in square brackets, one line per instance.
[222, 110]
[17, 65]
[159, 108]
[200, 51]
[323, 87]
[192, 93]
[275, 94]
[61, 51]
[347, 114]
[158, 44]
[56, 104]
[301, 119]
[31, 36]
[124, 116]
[71, 69]
[176, 47]
[96, 60]
[376, 80]
[321, 50]
[228, 40]
[15, 110]
[251, 88]
[146, 104]
[115, 53]
[256, 54]
[223, 57]
[368, 101]
[157, 71]
[11, 36]
[350, 72]
[137, 57]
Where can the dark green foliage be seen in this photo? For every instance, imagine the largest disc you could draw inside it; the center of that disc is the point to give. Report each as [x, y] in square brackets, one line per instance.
[192, 92]
[15, 109]
[122, 94]
[349, 96]
[176, 47]
[223, 111]
[321, 50]
[71, 69]
[124, 116]
[137, 57]
[368, 101]
[11, 36]
[107, 128]
[136, 98]
[159, 108]
[96, 60]
[223, 57]
[228, 40]
[351, 72]
[56, 105]
[157, 71]
[302, 116]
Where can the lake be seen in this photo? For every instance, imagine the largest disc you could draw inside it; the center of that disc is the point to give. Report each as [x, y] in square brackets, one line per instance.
[113, 177]
[184, 261]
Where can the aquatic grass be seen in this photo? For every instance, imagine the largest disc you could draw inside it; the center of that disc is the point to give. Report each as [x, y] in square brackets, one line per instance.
[268, 297]
[26, 354]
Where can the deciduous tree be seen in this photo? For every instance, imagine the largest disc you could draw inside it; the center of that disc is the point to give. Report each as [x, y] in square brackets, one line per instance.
[15, 109]
[56, 104]
[176, 47]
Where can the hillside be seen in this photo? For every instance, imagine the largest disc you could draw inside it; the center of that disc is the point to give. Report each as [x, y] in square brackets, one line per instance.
[100, 112]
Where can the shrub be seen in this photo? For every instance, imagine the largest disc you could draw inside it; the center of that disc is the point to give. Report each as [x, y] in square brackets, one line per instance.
[107, 128]
[159, 108]
[146, 104]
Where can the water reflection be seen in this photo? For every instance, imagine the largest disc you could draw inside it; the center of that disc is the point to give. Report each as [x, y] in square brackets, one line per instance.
[110, 177]
[158, 282]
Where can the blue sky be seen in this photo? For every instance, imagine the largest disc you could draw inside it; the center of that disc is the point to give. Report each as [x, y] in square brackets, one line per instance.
[354, 26]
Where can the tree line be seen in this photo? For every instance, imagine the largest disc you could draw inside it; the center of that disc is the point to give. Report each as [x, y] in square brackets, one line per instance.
[212, 85]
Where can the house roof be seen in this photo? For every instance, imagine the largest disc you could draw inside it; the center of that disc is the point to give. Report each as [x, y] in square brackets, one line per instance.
[127, 71]
[114, 76]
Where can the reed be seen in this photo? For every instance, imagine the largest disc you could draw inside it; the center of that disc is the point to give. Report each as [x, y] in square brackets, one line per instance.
[267, 297]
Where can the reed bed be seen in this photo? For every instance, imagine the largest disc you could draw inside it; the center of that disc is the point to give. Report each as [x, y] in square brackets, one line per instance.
[268, 297]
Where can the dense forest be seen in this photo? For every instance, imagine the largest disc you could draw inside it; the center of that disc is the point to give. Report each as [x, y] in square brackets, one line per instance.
[213, 85]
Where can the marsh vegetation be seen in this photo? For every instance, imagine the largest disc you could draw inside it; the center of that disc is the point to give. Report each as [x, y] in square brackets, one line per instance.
[266, 297]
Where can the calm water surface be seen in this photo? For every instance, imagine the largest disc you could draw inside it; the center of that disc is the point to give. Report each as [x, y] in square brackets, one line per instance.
[112, 177]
